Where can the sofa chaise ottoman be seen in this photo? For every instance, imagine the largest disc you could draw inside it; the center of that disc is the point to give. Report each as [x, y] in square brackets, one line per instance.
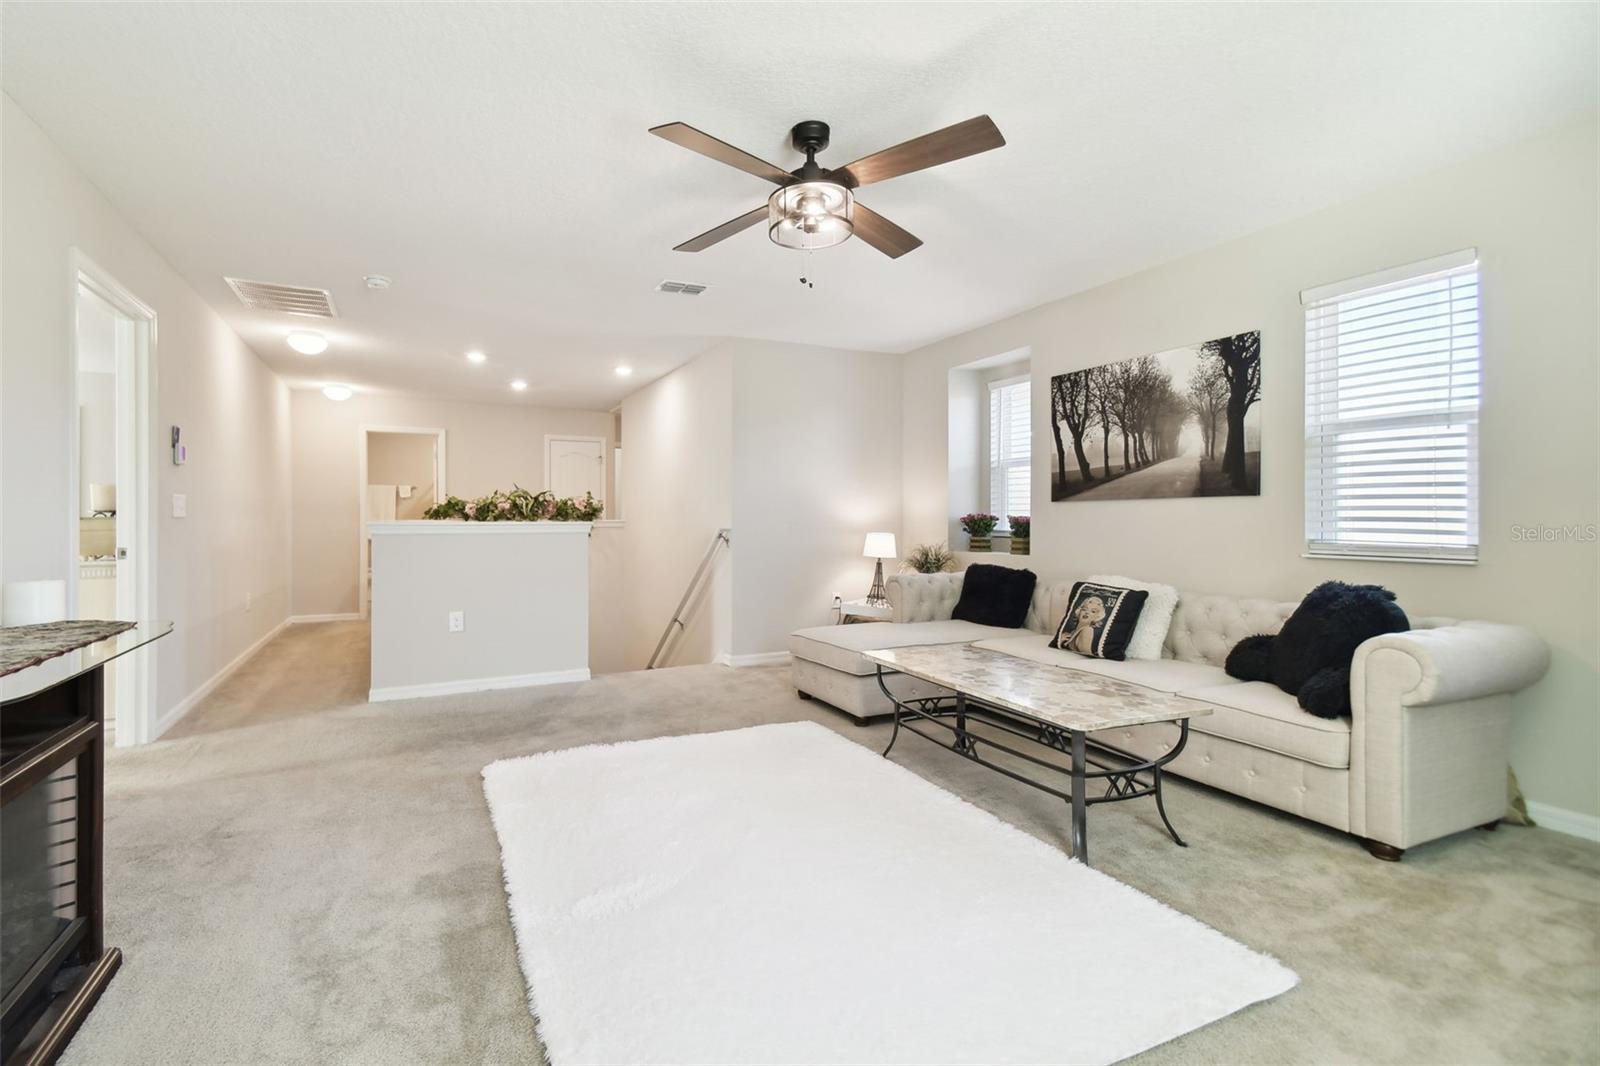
[1423, 754]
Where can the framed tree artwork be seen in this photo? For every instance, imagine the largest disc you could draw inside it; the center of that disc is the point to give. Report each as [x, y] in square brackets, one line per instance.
[1184, 422]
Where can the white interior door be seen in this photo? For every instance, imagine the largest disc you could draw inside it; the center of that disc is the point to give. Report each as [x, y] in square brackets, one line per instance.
[575, 465]
[111, 575]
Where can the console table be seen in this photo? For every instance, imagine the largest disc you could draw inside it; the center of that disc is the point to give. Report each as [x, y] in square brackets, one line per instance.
[53, 960]
[1039, 709]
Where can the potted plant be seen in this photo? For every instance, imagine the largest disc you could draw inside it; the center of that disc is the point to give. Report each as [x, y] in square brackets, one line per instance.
[978, 526]
[518, 505]
[1021, 525]
[930, 559]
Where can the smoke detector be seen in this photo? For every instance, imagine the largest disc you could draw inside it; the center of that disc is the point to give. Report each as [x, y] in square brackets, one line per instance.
[288, 299]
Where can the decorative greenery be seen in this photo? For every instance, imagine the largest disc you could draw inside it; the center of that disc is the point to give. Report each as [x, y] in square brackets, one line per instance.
[1020, 524]
[518, 505]
[930, 559]
[979, 524]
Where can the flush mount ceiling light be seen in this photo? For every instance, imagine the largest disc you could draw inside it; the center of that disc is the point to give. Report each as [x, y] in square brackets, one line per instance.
[378, 281]
[815, 207]
[623, 371]
[308, 342]
[519, 385]
[475, 357]
[338, 393]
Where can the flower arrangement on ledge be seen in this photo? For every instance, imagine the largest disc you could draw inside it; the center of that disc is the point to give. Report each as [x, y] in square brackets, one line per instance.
[518, 505]
[978, 526]
[1021, 526]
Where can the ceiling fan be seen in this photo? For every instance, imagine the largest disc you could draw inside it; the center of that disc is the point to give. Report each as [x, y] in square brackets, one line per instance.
[816, 208]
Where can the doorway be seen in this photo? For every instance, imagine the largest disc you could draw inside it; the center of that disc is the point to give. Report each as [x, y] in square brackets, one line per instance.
[110, 534]
[402, 475]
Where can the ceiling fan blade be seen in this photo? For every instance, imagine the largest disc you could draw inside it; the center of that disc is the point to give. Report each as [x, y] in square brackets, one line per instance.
[724, 231]
[723, 152]
[882, 234]
[931, 149]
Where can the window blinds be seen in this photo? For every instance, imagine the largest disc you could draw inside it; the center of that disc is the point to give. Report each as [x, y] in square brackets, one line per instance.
[1392, 390]
[1010, 443]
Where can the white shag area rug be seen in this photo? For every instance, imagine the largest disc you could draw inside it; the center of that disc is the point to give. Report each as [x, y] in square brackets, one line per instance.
[780, 894]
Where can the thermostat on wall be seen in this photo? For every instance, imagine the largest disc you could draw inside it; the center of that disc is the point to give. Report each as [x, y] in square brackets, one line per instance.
[180, 451]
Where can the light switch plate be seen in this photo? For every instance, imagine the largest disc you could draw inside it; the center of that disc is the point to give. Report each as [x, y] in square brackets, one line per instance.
[180, 505]
[458, 621]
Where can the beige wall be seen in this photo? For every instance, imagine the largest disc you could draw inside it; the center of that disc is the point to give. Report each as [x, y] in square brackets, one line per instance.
[816, 466]
[798, 450]
[1531, 212]
[487, 447]
[423, 572]
[222, 573]
[404, 459]
[676, 492]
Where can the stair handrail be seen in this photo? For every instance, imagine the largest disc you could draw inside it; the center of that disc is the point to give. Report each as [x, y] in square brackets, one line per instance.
[723, 536]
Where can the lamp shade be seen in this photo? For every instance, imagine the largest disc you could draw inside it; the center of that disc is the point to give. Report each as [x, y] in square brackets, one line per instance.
[879, 546]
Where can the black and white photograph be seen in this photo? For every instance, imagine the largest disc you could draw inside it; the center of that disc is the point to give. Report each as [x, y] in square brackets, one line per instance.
[1183, 422]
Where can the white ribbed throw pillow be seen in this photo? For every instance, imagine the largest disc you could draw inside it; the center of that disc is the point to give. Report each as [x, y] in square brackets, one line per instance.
[1151, 631]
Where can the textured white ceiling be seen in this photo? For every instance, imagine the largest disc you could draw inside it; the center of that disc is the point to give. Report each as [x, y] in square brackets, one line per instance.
[494, 159]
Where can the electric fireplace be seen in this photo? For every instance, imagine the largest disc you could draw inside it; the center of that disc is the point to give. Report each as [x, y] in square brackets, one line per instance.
[53, 960]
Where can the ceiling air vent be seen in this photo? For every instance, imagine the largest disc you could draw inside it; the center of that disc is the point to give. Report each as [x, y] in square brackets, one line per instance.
[290, 299]
[685, 288]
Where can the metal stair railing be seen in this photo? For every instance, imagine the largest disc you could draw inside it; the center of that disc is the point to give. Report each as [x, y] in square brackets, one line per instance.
[724, 536]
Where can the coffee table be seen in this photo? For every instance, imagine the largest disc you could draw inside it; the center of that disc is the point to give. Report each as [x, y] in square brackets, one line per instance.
[1039, 706]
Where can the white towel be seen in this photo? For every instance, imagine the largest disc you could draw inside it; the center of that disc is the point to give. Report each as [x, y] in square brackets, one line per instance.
[380, 503]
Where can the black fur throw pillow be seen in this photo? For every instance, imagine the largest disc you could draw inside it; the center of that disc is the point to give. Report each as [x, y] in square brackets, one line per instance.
[1310, 656]
[995, 595]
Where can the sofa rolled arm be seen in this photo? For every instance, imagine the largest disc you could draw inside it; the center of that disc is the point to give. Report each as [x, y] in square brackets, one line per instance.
[1464, 661]
[923, 597]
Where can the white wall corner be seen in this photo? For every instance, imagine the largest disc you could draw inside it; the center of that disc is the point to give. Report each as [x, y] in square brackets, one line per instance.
[189, 702]
[764, 658]
[1561, 820]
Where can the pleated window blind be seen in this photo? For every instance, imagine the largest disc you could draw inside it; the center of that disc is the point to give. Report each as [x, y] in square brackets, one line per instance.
[1392, 390]
[1010, 442]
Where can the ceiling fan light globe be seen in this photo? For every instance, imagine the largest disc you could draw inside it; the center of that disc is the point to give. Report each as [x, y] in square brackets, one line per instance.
[810, 214]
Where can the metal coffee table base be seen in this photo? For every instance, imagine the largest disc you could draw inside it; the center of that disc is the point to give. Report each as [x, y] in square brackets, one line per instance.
[1120, 770]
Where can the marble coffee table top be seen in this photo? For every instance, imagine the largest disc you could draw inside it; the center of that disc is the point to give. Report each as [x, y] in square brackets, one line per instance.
[1059, 695]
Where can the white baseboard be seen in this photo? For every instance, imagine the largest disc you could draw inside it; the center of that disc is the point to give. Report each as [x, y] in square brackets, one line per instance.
[187, 704]
[301, 619]
[1572, 823]
[481, 684]
[764, 658]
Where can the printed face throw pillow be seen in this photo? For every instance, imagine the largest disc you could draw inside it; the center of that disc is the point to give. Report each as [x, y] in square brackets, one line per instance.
[1099, 620]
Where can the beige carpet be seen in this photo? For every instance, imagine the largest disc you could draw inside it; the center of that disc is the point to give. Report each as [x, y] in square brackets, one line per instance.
[298, 877]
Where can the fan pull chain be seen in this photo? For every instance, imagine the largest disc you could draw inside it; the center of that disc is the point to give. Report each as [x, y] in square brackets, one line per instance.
[809, 273]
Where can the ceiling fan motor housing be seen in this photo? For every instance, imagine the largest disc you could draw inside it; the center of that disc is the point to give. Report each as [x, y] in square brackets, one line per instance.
[810, 136]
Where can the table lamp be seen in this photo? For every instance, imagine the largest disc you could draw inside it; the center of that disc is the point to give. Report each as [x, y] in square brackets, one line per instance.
[879, 546]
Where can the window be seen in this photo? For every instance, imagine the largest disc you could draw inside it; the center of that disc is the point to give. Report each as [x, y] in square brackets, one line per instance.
[1392, 413]
[1010, 444]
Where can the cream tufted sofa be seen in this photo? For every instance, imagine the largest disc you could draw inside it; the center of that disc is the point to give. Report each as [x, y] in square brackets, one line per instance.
[1422, 756]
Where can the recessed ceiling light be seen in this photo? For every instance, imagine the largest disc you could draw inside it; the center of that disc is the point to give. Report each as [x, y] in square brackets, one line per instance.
[519, 385]
[308, 342]
[476, 356]
[624, 371]
[378, 281]
[338, 393]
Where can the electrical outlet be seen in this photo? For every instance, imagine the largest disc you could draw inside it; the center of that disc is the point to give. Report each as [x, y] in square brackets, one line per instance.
[180, 505]
[249, 599]
[458, 621]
